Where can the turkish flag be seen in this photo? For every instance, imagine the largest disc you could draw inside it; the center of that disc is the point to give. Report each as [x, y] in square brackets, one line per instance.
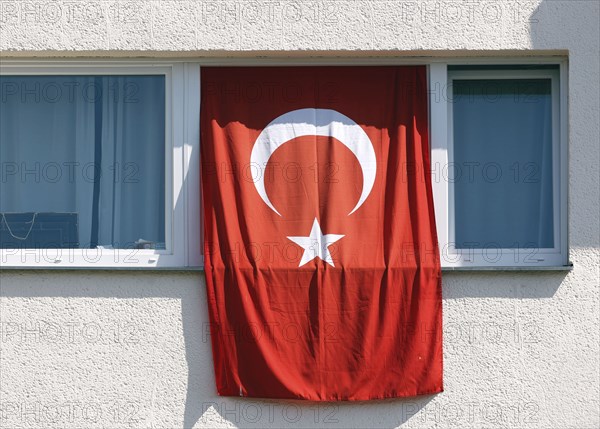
[321, 256]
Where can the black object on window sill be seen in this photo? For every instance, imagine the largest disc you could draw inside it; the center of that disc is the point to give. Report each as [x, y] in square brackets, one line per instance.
[40, 230]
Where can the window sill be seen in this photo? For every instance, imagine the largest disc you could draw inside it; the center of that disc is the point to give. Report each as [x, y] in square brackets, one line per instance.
[560, 268]
[563, 268]
[97, 268]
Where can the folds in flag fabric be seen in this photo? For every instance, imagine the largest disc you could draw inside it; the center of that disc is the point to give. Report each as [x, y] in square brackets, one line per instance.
[321, 257]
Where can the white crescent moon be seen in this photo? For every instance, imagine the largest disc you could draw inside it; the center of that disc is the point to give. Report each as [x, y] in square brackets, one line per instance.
[315, 122]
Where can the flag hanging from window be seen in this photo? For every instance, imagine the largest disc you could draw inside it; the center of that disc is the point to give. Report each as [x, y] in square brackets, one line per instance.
[321, 256]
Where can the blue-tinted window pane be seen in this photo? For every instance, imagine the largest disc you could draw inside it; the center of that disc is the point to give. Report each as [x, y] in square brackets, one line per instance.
[82, 161]
[503, 163]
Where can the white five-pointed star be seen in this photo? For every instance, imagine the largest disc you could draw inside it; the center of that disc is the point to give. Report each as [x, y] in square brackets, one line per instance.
[315, 245]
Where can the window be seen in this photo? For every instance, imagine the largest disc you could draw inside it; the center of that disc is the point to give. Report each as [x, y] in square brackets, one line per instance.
[93, 166]
[499, 162]
[99, 163]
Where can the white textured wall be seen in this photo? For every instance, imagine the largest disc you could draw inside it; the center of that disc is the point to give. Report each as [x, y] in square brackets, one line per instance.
[130, 349]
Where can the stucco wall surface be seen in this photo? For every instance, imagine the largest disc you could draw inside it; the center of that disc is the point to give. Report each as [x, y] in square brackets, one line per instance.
[130, 349]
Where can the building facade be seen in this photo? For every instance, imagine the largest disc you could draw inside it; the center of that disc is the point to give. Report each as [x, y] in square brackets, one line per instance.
[112, 345]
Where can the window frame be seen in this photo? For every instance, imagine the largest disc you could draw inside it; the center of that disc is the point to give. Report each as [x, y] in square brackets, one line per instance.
[442, 144]
[184, 182]
[182, 204]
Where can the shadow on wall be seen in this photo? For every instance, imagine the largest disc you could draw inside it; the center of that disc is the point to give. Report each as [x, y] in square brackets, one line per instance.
[203, 408]
[507, 284]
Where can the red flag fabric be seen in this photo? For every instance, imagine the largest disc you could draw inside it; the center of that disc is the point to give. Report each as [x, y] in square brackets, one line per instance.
[321, 257]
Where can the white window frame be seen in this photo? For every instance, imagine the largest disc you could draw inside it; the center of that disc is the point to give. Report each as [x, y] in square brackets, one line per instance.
[443, 188]
[182, 197]
[183, 169]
